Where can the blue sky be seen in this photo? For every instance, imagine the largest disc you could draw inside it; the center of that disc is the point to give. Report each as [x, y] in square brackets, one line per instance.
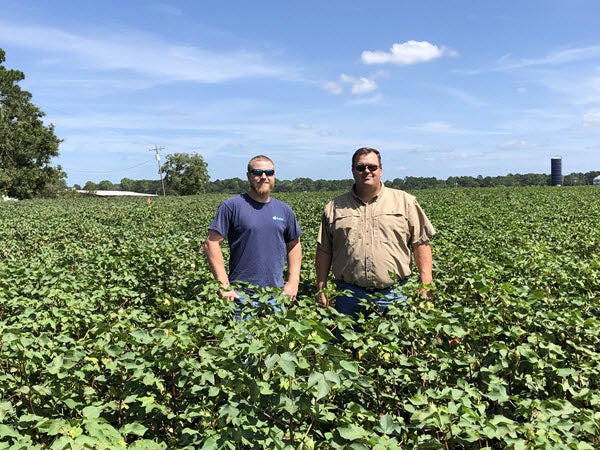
[442, 88]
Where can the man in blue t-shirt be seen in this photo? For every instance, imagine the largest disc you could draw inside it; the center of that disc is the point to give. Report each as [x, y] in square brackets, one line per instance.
[262, 233]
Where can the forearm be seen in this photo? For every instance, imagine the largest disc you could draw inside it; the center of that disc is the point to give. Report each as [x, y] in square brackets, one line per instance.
[424, 261]
[216, 263]
[322, 266]
[294, 260]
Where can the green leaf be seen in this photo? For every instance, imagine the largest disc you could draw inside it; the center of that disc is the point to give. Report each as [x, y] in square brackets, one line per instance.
[8, 431]
[497, 393]
[387, 424]
[210, 444]
[288, 363]
[134, 428]
[91, 412]
[314, 378]
[323, 388]
[271, 360]
[352, 432]
[350, 366]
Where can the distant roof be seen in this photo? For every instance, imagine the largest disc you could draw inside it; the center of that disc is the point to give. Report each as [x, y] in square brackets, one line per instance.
[116, 193]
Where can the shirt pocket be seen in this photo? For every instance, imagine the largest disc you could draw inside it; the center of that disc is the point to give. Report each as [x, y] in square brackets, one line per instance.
[391, 228]
[347, 227]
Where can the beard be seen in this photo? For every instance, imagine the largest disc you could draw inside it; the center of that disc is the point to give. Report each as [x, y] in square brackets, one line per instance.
[262, 188]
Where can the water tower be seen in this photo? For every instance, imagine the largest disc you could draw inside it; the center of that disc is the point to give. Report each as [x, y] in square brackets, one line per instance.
[556, 178]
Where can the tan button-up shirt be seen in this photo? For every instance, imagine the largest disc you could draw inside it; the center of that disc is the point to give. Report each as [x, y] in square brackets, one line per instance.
[372, 243]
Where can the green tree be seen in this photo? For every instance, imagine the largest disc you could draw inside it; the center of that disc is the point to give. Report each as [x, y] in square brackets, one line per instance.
[106, 185]
[127, 184]
[90, 186]
[303, 185]
[27, 146]
[186, 174]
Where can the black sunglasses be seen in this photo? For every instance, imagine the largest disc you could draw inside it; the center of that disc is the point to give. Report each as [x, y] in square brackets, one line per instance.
[259, 172]
[363, 167]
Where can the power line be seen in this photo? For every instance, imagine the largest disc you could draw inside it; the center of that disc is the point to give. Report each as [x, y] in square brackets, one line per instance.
[106, 171]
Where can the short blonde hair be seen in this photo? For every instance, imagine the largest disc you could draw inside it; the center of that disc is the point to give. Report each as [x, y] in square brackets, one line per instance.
[259, 158]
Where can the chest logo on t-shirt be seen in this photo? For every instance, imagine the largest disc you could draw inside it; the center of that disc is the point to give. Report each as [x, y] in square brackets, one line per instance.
[280, 219]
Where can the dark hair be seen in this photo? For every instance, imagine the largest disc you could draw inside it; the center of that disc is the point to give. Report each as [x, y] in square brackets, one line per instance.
[259, 158]
[365, 151]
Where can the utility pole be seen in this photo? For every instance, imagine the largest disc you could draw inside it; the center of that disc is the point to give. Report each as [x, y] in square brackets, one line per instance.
[157, 149]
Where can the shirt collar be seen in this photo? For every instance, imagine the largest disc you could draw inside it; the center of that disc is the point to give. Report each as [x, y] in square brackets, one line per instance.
[374, 199]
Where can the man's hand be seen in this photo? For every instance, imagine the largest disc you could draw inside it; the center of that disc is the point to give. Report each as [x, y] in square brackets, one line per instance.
[291, 289]
[322, 300]
[229, 295]
[426, 293]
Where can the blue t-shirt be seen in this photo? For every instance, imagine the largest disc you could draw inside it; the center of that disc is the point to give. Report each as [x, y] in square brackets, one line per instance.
[257, 234]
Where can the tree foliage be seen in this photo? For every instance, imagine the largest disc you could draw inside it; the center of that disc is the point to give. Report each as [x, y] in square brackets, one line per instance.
[230, 185]
[237, 185]
[143, 186]
[186, 174]
[106, 185]
[27, 146]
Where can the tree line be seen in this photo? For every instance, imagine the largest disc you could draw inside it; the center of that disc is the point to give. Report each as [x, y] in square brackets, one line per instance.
[238, 185]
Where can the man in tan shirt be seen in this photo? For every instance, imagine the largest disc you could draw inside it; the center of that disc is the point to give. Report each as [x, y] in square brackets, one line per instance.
[368, 237]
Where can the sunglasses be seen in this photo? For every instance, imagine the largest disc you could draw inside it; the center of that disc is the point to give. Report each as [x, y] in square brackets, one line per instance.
[259, 172]
[363, 167]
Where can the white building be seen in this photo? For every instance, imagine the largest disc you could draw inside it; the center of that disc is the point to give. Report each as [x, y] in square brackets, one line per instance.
[115, 193]
[597, 181]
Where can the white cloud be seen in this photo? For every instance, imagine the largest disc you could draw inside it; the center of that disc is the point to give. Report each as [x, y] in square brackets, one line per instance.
[360, 85]
[164, 8]
[144, 54]
[372, 100]
[333, 88]
[592, 120]
[558, 57]
[407, 53]
[460, 94]
[302, 126]
[514, 145]
[438, 127]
